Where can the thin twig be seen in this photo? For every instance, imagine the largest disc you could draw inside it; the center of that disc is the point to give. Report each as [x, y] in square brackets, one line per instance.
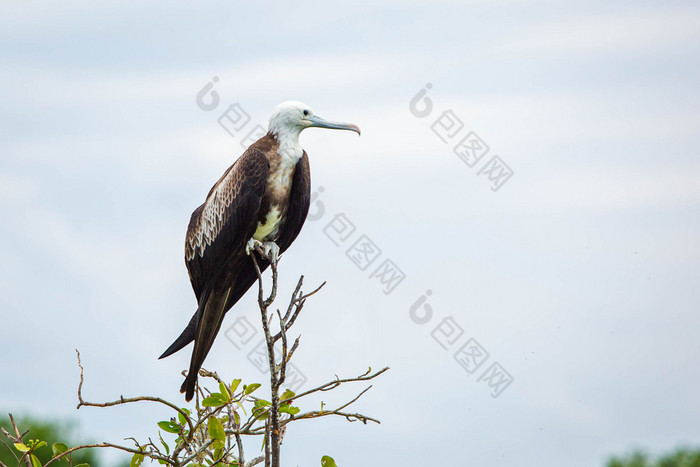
[337, 382]
[255, 461]
[126, 400]
[18, 439]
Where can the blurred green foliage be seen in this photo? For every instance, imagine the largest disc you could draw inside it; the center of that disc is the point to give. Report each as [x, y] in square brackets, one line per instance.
[681, 457]
[50, 431]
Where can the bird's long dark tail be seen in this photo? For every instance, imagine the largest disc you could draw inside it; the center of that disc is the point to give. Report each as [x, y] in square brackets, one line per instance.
[185, 338]
[211, 316]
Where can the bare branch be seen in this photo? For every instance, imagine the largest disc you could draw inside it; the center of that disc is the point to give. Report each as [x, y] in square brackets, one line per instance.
[196, 453]
[7, 446]
[126, 400]
[297, 291]
[255, 461]
[293, 349]
[17, 438]
[337, 382]
[304, 297]
[283, 361]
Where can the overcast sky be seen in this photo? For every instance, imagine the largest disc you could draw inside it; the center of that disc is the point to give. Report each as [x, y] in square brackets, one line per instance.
[568, 251]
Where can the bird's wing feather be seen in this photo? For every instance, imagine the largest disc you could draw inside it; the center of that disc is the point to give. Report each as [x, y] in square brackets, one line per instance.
[217, 301]
[299, 200]
[219, 229]
[215, 244]
[221, 226]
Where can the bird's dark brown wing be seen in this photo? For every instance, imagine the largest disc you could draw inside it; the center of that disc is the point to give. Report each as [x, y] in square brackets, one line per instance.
[299, 200]
[225, 222]
[219, 229]
[215, 246]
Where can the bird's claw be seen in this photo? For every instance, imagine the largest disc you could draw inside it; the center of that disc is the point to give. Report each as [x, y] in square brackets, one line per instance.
[271, 251]
[268, 250]
[252, 245]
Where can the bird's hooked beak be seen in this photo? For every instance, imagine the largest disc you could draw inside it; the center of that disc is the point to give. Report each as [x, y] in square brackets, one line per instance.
[321, 123]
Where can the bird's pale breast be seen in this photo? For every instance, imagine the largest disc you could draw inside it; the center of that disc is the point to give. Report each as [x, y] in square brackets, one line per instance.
[279, 184]
[270, 226]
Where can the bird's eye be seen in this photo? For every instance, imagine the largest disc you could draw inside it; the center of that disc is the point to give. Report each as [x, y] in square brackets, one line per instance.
[306, 112]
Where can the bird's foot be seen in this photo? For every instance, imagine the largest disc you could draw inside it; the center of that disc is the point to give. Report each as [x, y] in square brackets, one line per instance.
[268, 250]
[252, 245]
[271, 251]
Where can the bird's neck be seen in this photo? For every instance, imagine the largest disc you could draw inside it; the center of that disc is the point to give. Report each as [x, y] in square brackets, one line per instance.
[289, 149]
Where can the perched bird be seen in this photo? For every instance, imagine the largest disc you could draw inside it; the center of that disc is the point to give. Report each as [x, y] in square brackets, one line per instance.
[261, 201]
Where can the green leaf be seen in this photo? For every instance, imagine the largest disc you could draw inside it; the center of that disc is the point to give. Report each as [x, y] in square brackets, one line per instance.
[224, 392]
[241, 407]
[165, 445]
[83, 465]
[21, 447]
[286, 408]
[169, 426]
[216, 429]
[215, 400]
[234, 385]
[251, 387]
[35, 461]
[236, 418]
[327, 461]
[261, 414]
[288, 394]
[36, 444]
[181, 417]
[58, 448]
[136, 460]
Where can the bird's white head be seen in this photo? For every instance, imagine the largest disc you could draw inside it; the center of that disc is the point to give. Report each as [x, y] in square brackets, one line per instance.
[291, 117]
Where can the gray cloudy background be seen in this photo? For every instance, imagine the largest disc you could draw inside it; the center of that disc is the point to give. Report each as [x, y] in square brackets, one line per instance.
[579, 275]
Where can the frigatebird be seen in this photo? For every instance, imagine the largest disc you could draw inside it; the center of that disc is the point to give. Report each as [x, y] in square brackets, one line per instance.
[260, 202]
